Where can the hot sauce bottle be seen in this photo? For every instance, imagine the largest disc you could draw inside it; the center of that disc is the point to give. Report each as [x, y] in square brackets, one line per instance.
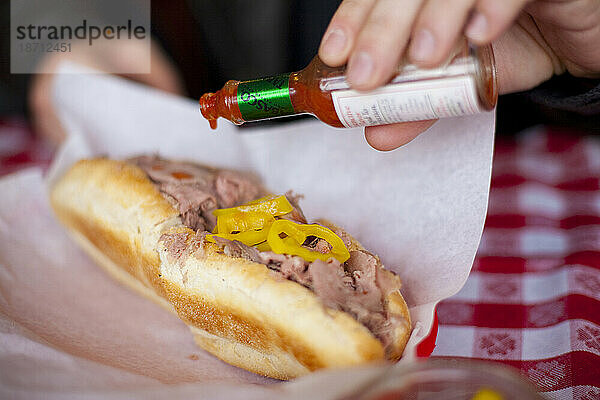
[465, 84]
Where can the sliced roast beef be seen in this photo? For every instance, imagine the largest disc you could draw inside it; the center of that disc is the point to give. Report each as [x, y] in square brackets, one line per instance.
[175, 243]
[364, 268]
[296, 214]
[331, 283]
[289, 267]
[179, 245]
[195, 204]
[356, 291]
[164, 171]
[234, 189]
[197, 190]
[317, 244]
[234, 248]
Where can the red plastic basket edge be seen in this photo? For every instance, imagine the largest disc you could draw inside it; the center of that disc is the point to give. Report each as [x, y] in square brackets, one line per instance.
[425, 348]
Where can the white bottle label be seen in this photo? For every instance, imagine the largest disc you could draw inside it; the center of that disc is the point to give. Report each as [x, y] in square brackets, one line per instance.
[409, 101]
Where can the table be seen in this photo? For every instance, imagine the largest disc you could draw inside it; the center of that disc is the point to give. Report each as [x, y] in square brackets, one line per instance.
[532, 300]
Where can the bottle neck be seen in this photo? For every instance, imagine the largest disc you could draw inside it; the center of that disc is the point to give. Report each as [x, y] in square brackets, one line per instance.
[265, 98]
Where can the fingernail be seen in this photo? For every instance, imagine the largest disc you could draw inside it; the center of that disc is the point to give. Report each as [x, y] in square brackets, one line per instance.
[335, 42]
[423, 46]
[360, 68]
[477, 28]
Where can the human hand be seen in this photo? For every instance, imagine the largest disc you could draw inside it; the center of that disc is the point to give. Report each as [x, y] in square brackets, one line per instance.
[118, 55]
[532, 41]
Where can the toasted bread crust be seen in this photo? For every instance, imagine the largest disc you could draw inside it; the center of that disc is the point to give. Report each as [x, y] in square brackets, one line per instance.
[119, 211]
[237, 309]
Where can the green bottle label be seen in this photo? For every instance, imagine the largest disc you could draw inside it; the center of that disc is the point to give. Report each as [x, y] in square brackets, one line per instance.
[265, 98]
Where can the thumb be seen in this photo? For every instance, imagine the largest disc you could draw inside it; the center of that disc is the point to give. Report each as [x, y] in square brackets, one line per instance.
[390, 137]
[523, 58]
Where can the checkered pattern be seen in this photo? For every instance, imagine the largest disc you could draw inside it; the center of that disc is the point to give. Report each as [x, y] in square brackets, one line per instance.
[533, 298]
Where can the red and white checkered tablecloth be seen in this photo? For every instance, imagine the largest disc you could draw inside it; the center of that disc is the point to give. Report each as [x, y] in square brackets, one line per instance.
[532, 300]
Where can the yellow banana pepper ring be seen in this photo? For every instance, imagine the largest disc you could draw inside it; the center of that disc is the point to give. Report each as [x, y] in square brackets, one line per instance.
[250, 238]
[243, 221]
[264, 246]
[254, 224]
[264, 198]
[274, 205]
[296, 235]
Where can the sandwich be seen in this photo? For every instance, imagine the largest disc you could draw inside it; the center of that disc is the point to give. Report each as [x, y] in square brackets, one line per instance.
[258, 285]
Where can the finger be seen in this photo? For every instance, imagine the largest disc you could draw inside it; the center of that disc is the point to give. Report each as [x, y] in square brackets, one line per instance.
[572, 27]
[523, 59]
[43, 116]
[438, 26]
[343, 29]
[163, 72]
[380, 43]
[390, 137]
[491, 18]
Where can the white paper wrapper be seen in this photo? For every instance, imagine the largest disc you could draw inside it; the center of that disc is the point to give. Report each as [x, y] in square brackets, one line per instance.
[68, 331]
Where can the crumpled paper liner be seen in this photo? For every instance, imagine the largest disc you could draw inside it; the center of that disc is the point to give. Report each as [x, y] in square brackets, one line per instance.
[69, 331]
